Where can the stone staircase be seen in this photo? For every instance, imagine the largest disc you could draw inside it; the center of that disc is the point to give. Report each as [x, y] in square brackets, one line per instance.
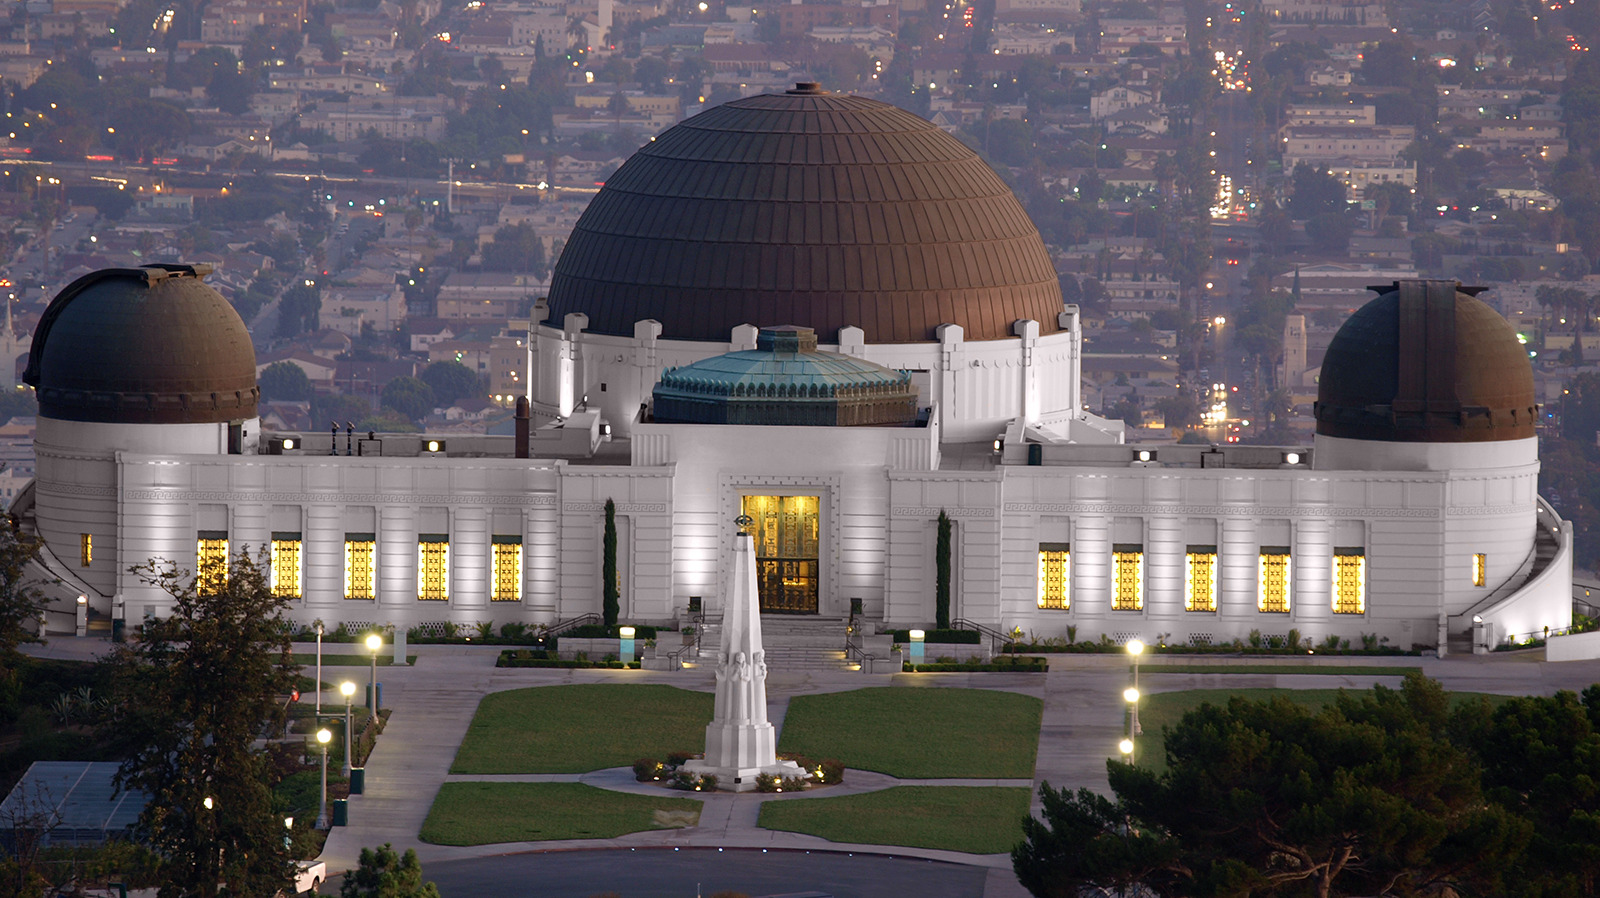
[792, 643]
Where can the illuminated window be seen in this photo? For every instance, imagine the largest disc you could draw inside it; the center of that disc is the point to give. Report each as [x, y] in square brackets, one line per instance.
[1200, 578]
[1480, 569]
[1055, 572]
[1349, 581]
[433, 567]
[507, 569]
[85, 549]
[286, 565]
[360, 566]
[1274, 579]
[211, 561]
[1127, 561]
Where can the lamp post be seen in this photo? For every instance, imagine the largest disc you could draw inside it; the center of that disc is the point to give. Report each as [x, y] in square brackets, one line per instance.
[1131, 695]
[374, 643]
[323, 736]
[318, 688]
[348, 689]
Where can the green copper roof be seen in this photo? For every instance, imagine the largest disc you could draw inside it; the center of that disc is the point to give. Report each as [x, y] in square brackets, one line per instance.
[785, 369]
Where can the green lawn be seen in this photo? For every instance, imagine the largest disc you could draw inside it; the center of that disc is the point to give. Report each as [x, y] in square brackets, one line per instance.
[1284, 669]
[486, 813]
[918, 733]
[384, 660]
[975, 819]
[575, 729]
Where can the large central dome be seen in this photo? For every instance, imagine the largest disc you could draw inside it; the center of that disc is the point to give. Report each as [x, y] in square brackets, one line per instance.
[813, 209]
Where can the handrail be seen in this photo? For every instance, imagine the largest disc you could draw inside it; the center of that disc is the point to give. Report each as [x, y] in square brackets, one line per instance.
[571, 623]
[693, 642]
[1529, 570]
[997, 639]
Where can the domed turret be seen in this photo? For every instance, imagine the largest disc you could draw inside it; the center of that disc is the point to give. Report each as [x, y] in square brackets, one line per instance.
[150, 345]
[1426, 362]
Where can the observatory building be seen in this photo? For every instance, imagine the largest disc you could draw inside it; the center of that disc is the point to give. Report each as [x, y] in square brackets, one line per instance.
[823, 312]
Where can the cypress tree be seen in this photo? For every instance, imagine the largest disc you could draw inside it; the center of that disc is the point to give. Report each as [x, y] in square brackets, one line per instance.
[608, 567]
[941, 601]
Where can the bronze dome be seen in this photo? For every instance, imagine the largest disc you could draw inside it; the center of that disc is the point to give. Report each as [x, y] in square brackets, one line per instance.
[821, 210]
[1426, 362]
[150, 345]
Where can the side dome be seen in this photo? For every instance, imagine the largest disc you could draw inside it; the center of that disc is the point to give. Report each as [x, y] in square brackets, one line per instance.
[822, 210]
[1426, 362]
[149, 345]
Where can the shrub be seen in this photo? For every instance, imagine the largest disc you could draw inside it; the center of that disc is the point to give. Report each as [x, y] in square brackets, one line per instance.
[708, 782]
[767, 782]
[647, 769]
[792, 784]
[831, 772]
[683, 779]
[944, 637]
[675, 759]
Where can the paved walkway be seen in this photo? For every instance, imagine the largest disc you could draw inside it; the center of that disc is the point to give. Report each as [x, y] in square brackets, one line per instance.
[433, 702]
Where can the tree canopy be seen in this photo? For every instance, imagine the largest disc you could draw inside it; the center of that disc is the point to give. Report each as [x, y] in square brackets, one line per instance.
[450, 381]
[284, 382]
[410, 396]
[189, 699]
[1389, 792]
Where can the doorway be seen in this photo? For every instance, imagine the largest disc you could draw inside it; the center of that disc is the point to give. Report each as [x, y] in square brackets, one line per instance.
[788, 568]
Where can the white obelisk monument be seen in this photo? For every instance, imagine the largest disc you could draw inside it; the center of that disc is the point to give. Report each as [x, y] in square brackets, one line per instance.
[740, 742]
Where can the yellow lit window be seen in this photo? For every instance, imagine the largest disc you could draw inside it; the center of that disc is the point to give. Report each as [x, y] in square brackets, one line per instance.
[211, 561]
[85, 549]
[433, 567]
[1127, 560]
[1200, 579]
[286, 565]
[1480, 569]
[1055, 572]
[507, 569]
[360, 566]
[1349, 581]
[1274, 579]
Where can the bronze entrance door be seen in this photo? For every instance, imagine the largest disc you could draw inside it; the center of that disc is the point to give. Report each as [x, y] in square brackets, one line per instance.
[787, 565]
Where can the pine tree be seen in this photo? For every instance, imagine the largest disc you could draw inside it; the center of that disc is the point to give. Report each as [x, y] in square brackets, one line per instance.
[383, 874]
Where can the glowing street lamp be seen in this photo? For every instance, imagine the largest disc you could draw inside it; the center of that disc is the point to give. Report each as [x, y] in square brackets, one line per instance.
[1131, 694]
[374, 643]
[348, 690]
[323, 737]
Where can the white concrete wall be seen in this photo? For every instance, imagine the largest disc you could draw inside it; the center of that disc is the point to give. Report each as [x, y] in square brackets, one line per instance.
[978, 386]
[77, 485]
[1575, 647]
[166, 498]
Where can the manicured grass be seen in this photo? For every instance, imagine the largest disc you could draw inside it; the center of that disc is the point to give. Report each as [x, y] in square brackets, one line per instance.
[1164, 709]
[485, 813]
[1284, 669]
[310, 660]
[575, 729]
[918, 733]
[975, 819]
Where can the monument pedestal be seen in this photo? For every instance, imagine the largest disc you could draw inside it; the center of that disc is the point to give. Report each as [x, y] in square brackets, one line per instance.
[740, 742]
